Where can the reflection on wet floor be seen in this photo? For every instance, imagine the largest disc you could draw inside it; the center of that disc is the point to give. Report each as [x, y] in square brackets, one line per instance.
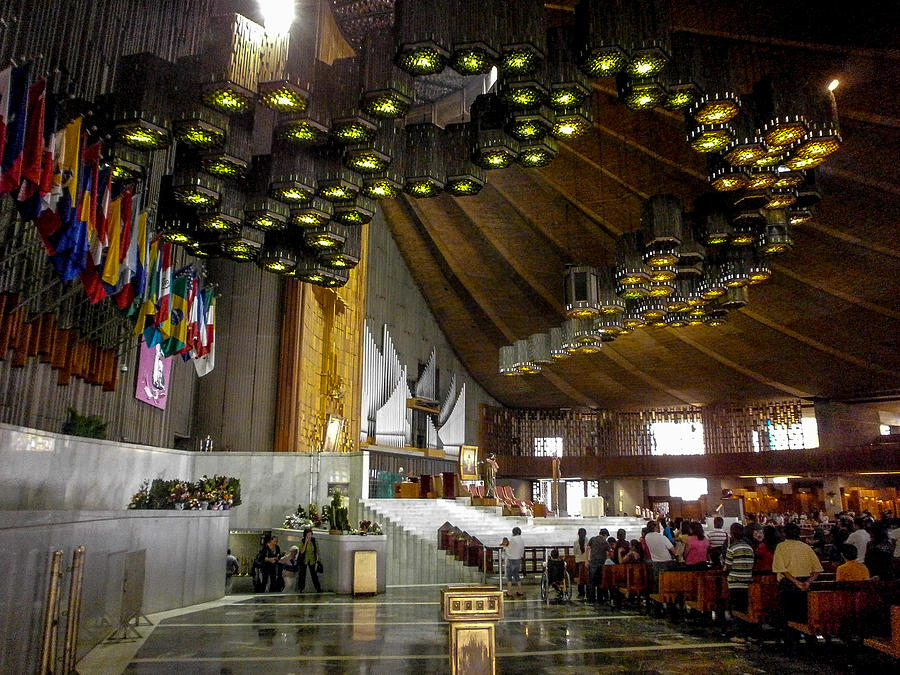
[403, 632]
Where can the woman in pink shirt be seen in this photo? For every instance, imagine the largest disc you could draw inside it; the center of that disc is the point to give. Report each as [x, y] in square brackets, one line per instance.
[696, 548]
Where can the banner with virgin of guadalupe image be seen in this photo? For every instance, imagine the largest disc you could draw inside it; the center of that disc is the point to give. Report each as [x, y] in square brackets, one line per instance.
[153, 376]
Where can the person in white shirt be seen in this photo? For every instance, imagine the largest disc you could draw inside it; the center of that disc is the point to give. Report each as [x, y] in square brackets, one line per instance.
[515, 550]
[895, 535]
[860, 539]
[660, 549]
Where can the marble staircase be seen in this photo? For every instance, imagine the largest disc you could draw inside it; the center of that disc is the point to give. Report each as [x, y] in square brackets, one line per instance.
[412, 528]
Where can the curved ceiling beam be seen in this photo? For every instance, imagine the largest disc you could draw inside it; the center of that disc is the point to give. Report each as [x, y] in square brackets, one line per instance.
[494, 316]
[815, 344]
[831, 290]
[606, 172]
[610, 352]
[514, 261]
[742, 369]
[555, 223]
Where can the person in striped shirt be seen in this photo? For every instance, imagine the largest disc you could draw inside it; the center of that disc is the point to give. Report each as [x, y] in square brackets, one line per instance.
[718, 541]
[739, 559]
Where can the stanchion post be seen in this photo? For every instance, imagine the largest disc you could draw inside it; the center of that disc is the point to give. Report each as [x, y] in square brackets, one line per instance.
[70, 648]
[472, 612]
[51, 616]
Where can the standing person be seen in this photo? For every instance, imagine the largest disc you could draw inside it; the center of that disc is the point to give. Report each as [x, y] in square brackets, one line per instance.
[696, 548]
[597, 548]
[267, 560]
[231, 568]
[489, 476]
[718, 541]
[739, 560]
[860, 539]
[289, 567]
[621, 546]
[582, 556]
[515, 551]
[879, 558]
[660, 549]
[797, 567]
[308, 558]
[765, 552]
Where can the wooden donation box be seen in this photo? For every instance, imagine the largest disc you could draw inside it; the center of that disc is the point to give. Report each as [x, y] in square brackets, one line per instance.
[472, 612]
[406, 490]
[365, 579]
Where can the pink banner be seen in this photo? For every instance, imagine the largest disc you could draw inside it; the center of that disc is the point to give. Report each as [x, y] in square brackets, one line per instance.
[153, 376]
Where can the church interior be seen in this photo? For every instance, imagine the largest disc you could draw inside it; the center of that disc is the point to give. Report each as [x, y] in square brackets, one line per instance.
[412, 274]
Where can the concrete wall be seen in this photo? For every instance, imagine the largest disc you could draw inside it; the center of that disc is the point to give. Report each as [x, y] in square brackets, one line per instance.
[185, 553]
[45, 471]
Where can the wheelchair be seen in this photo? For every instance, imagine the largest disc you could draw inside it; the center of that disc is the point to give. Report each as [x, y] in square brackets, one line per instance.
[555, 582]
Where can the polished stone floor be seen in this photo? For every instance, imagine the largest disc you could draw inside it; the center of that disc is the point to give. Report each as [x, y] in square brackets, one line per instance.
[402, 632]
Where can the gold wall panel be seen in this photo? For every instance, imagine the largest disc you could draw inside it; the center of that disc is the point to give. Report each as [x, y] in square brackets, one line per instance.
[321, 362]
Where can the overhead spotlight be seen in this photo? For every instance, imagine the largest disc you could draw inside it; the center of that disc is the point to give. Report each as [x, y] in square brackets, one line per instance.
[834, 84]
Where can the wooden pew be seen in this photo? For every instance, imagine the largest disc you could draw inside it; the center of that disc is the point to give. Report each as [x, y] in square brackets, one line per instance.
[638, 580]
[891, 646]
[762, 601]
[676, 586]
[829, 613]
[712, 594]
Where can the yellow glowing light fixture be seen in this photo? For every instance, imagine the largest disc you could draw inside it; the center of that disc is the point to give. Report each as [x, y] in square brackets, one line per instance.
[507, 361]
[819, 143]
[834, 84]
[382, 187]
[780, 198]
[199, 133]
[224, 165]
[196, 190]
[716, 108]
[144, 132]
[706, 138]
[291, 190]
[266, 214]
[283, 96]
[571, 123]
[783, 131]
[641, 93]
[582, 292]
[777, 238]
[761, 178]
[745, 151]
[681, 96]
[559, 340]
[728, 178]
[301, 131]
[314, 214]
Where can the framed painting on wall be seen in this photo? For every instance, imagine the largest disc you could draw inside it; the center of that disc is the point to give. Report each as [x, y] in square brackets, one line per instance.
[468, 462]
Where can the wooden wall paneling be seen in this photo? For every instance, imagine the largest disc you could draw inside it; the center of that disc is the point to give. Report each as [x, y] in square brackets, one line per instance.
[48, 335]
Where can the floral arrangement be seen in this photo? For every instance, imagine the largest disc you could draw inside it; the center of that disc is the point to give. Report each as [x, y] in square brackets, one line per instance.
[218, 492]
[295, 521]
[368, 527]
[303, 518]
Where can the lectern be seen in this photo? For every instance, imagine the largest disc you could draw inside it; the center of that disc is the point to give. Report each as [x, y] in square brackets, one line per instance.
[472, 612]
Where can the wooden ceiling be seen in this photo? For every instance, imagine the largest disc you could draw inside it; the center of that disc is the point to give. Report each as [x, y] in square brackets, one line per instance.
[827, 323]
